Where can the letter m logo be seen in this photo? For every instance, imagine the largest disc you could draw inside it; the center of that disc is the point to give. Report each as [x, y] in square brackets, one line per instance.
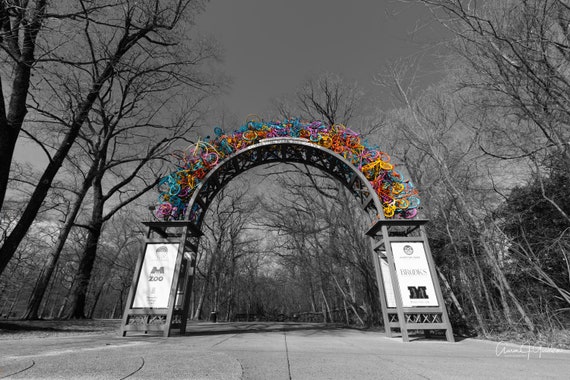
[417, 292]
[157, 270]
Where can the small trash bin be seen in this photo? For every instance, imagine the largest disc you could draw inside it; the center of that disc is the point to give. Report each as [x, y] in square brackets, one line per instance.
[213, 316]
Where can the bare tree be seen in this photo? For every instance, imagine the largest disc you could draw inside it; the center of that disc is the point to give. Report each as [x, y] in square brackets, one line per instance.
[119, 246]
[98, 52]
[225, 244]
[20, 24]
[433, 124]
[517, 57]
[327, 97]
[320, 240]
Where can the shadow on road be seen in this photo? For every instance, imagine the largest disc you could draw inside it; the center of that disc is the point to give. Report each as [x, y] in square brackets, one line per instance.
[20, 328]
[209, 328]
[31, 328]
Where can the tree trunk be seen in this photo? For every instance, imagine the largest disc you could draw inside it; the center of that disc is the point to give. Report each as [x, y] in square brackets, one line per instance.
[17, 297]
[504, 286]
[48, 293]
[478, 316]
[95, 301]
[451, 294]
[43, 281]
[115, 305]
[483, 284]
[201, 299]
[82, 278]
[351, 302]
[326, 309]
[61, 311]
[198, 312]
[217, 285]
[12, 120]
[230, 302]
[78, 299]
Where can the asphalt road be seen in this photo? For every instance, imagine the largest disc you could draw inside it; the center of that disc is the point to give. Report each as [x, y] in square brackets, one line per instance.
[273, 351]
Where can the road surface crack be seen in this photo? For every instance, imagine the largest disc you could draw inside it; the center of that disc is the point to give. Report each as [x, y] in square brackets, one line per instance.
[20, 371]
[287, 355]
[136, 370]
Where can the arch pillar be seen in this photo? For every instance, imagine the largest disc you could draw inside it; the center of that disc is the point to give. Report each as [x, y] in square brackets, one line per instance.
[410, 293]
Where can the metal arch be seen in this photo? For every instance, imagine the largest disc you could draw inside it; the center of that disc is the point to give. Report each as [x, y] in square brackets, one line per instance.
[302, 151]
[282, 149]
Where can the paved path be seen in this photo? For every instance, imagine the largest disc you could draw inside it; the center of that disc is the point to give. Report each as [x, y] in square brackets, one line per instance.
[269, 351]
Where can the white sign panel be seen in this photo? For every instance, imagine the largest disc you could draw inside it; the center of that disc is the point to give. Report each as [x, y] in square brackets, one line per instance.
[155, 278]
[414, 277]
[387, 279]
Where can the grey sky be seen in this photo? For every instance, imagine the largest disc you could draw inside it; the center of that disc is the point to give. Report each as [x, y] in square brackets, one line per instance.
[272, 45]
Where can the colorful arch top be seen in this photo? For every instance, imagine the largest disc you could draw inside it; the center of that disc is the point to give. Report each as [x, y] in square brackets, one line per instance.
[398, 196]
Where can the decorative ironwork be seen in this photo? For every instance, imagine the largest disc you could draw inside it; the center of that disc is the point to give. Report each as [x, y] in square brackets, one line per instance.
[417, 317]
[423, 318]
[159, 319]
[146, 319]
[137, 320]
[335, 149]
[283, 150]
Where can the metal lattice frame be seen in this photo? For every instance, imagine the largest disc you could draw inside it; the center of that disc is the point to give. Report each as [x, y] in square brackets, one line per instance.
[275, 150]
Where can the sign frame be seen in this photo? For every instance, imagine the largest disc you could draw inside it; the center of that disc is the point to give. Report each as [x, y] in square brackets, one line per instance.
[404, 318]
[183, 236]
[387, 281]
